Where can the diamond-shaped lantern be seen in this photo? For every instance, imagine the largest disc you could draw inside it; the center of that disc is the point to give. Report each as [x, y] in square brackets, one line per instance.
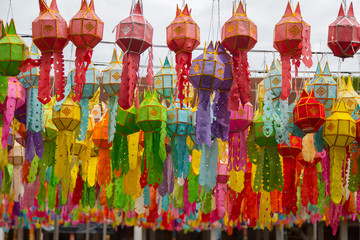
[343, 35]
[68, 118]
[273, 79]
[348, 94]
[164, 80]
[309, 114]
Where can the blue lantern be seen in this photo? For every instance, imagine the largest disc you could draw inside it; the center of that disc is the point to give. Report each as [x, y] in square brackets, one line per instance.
[164, 80]
[273, 80]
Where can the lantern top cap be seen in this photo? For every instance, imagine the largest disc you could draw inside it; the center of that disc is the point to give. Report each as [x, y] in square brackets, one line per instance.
[166, 63]
[349, 84]
[186, 11]
[10, 29]
[44, 8]
[114, 57]
[137, 9]
[318, 71]
[240, 10]
[341, 12]
[350, 13]
[341, 107]
[327, 69]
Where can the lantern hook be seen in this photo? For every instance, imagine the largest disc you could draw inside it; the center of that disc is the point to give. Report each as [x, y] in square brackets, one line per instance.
[10, 10]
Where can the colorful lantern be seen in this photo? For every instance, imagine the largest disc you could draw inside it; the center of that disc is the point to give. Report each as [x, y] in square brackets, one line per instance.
[50, 34]
[133, 35]
[309, 114]
[182, 37]
[239, 35]
[179, 126]
[324, 87]
[206, 75]
[261, 139]
[86, 31]
[338, 132]
[343, 38]
[273, 80]
[164, 80]
[292, 40]
[348, 94]
[49, 130]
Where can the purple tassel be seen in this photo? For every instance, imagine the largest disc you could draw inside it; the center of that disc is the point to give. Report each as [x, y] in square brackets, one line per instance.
[203, 121]
[167, 185]
[220, 127]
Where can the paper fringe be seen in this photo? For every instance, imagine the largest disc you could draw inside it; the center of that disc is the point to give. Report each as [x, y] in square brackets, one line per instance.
[183, 64]
[44, 95]
[59, 76]
[289, 193]
[82, 62]
[286, 76]
[203, 126]
[150, 72]
[104, 167]
[337, 159]
[237, 152]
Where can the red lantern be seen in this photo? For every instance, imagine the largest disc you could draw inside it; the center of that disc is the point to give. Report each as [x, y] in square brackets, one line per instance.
[183, 36]
[50, 35]
[308, 113]
[292, 40]
[289, 163]
[344, 34]
[86, 31]
[239, 35]
[133, 35]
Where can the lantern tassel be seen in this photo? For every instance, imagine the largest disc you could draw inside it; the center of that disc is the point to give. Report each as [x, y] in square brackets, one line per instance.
[183, 64]
[82, 62]
[150, 72]
[84, 104]
[167, 185]
[180, 156]
[208, 166]
[309, 187]
[220, 127]
[78, 191]
[289, 193]
[59, 75]
[33, 141]
[203, 125]
[286, 76]
[104, 167]
[120, 155]
[63, 143]
[3, 155]
[44, 87]
[306, 47]
[4, 88]
[8, 117]
[237, 152]
[113, 108]
[337, 158]
[220, 199]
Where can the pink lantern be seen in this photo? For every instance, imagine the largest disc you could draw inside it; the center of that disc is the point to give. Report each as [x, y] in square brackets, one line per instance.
[86, 31]
[133, 35]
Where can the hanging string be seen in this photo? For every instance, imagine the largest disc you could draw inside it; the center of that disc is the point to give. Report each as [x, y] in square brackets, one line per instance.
[183, 3]
[211, 27]
[10, 10]
[339, 80]
[219, 26]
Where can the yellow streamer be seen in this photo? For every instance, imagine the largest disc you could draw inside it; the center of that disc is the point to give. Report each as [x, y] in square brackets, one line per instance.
[196, 161]
[265, 210]
[337, 158]
[236, 180]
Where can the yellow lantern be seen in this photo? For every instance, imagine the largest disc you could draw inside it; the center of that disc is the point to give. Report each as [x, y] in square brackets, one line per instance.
[348, 94]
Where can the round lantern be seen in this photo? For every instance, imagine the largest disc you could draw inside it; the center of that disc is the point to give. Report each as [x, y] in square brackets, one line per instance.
[133, 35]
[273, 80]
[348, 94]
[339, 131]
[164, 80]
[179, 125]
[86, 31]
[239, 35]
[50, 34]
[309, 114]
[292, 40]
[182, 37]
[324, 87]
[289, 153]
[343, 37]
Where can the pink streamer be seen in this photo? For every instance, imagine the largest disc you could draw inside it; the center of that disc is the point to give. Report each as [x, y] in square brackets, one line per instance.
[220, 189]
[286, 76]
[59, 75]
[150, 72]
[237, 151]
[82, 61]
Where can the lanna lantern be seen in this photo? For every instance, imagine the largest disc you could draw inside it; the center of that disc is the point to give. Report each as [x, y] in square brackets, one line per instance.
[292, 41]
[151, 118]
[179, 126]
[164, 80]
[348, 94]
[50, 34]
[264, 137]
[343, 37]
[289, 153]
[239, 124]
[206, 75]
[49, 130]
[309, 114]
[239, 35]
[339, 131]
[182, 37]
[86, 31]
[13, 52]
[17, 154]
[100, 138]
[133, 35]
[111, 82]
[273, 80]
[324, 87]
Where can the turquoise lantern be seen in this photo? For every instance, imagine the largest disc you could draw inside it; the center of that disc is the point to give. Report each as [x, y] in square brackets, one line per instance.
[165, 80]
[273, 80]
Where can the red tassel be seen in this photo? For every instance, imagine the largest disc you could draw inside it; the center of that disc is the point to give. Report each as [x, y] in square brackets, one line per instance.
[104, 167]
[233, 102]
[78, 190]
[306, 47]
[150, 72]
[183, 64]
[289, 192]
[82, 61]
[286, 77]
[59, 75]
[28, 64]
[44, 95]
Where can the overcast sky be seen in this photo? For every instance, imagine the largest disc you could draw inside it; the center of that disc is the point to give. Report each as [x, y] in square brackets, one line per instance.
[265, 13]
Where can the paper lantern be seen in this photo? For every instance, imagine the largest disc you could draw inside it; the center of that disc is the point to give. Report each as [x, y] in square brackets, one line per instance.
[133, 35]
[289, 153]
[260, 139]
[339, 131]
[179, 126]
[309, 114]
[292, 40]
[50, 34]
[324, 87]
[49, 131]
[16, 155]
[86, 31]
[164, 80]
[182, 37]
[151, 118]
[348, 94]
[239, 35]
[206, 75]
[273, 80]
[343, 35]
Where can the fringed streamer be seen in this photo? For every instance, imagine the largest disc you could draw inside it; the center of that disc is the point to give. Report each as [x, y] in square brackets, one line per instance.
[237, 152]
[220, 127]
[306, 47]
[286, 76]
[44, 80]
[91, 173]
[120, 199]
[272, 173]
[180, 156]
[208, 166]
[62, 154]
[150, 72]
[153, 159]
[183, 64]
[29, 193]
[281, 123]
[3, 88]
[78, 191]
[129, 78]
[120, 154]
[242, 76]
[234, 96]
[33, 172]
[325, 163]
[34, 141]
[250, 204]
[236, 180]
[334, 216]
[59, 75]
[354, 174]
[220, 191]
[34, 111]
[51, 196]
[82, 61]
[68, 90]
[7, 178]
[203, 125]
[269, 115]
[289, 193]
[189, 207]
[84, 104]
[194, 187]
[337, 159]
[104, 167]
[265, 210]
[309, 187]
[275, 201]
[113, 108]
[167, 185]
[319, 141]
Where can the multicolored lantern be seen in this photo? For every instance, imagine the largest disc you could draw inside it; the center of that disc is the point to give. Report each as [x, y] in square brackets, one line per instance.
[309, 114]
[133, 35]
[338, 132]
[348, 94]
[239, 35]
[182, 37]
[292, 40]
[343, 39]
[164, 80]
[86, 31]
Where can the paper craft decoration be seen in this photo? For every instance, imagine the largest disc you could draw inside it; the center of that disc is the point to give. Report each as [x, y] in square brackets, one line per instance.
[86, 31]
[133, 35]
[49, 130]
[343, 37]
[339, 131]
[292, 41]
[165, 80]
[273, 80]
[239, 35]
[348, 94]
[182, 37]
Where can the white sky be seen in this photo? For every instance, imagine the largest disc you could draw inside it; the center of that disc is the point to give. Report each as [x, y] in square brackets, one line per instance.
[265, 13]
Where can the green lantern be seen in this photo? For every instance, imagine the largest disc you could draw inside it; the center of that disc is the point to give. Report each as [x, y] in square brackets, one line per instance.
[260, 139]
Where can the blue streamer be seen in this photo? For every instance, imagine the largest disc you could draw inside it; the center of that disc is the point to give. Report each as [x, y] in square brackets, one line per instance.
[84, 103]
[165, 202]
[146, 194]
[208, 166]
[318, 140]
[113, 107]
